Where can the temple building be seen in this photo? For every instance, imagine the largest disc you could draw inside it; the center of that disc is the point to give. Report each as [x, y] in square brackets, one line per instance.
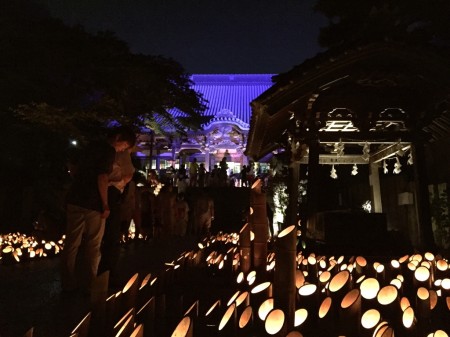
[225, 135]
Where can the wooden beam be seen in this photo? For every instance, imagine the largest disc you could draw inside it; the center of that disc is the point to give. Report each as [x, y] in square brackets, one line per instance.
[388, 152]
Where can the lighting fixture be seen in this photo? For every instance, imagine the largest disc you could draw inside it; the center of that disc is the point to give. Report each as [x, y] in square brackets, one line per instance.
[366, 151]
[397, 166]
[354, 170]
[385, 168]
[410, 159]
[333, 172]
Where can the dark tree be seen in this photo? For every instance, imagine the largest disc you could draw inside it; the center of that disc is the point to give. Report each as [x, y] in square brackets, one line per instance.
[411, 21]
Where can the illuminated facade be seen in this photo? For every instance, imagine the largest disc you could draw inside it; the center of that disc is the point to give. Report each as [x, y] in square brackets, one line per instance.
[228, 97]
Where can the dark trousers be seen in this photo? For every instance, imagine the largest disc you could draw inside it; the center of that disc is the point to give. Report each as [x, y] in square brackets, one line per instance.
[111, 239]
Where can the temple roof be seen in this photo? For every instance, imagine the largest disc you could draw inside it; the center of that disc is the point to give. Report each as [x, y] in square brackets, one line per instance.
[231, 92]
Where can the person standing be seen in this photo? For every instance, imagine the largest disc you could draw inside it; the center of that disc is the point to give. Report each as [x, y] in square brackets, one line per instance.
[86, 210]
[201, 175]
[193, 171]
[118, 179]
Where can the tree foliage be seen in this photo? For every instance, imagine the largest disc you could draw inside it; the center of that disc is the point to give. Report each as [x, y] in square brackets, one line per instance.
[59, 82]
[412, 21]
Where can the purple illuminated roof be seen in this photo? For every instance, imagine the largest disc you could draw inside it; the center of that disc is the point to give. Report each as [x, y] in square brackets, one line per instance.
[232, 92]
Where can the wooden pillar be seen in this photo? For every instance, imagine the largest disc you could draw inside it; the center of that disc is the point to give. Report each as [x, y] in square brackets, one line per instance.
[426, 238]
[313, 184]
[207, 160]
[374, 181]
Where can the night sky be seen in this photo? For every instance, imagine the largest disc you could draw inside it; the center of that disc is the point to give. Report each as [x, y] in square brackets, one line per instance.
[206, 36]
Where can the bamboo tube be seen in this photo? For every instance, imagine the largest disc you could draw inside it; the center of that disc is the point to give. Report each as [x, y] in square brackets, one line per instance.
[350, 313]
[129, 293]
[389, 303]
[327, 317]
[245, 324]
[245, 260]
[29, 333]
[369, 321]
[308, 297]
[138, 331]
[294, 334]
[284, 289]
[82, 328]
[110, 314]
[184, 328]
[260, 293]
[126, 329]
[302, 323]
[275, 323]
[210, 320]
[422, 277]
[259, 226]
[423, 308]
[227, 326]
[146, 316]
[339, 286]
[122, 321]
[144, 291]
[369, 290]
[409, 320]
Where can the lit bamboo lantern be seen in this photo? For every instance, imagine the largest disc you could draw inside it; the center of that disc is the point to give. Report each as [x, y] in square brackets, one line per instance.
[409, 321]
[441, 269]
[361, 265]
[260, 293]
[227, 326]
[384, 330]
[313, 269]
[193, 311]
[245, 324]
[144, 291]
[184, 328]
[110, 313]
[350, 313]
[211, 319]
[242, 301]
[327, 317]
[245, 249]
[275, 323]
[380, 272]
[82, 328]
[339, 285]
[388, 299]
[29, 333]
[138, 331]
[284, 289]
[423, 307]
[146, 316]
[129, 293]
[369, 290]
[422, 277]
[126, 329]
[369, 321]
[294, 334]
[122, 326]
[299, 278]
[308, 297]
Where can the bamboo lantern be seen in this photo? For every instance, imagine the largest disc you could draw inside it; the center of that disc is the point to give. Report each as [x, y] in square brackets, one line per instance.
[110, 313]
[381, 329]
[301, 322]
[294, 334]
[260, 293]
[122, 321]
[369, 321]
[299, 278]
[350, 313]
[275, 324]
[245, 260]
[409, 321]
[369, 290]
[441, 269]
[29, 333]
[284, 289]
[146, 316]
[339, 285]
[422, 277]
[388, 300]
[308, 297]
[423, 308]
[129, 293]
[242, 301]
[126, 329]
[327, 317]
[184, 328]
[392, 269]
[313, 269]
[227, 326]
[380, 272]
[210, 320]
[82, 328]
[260, 228]
[193, 311]
[245, 323]
[138, 331]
